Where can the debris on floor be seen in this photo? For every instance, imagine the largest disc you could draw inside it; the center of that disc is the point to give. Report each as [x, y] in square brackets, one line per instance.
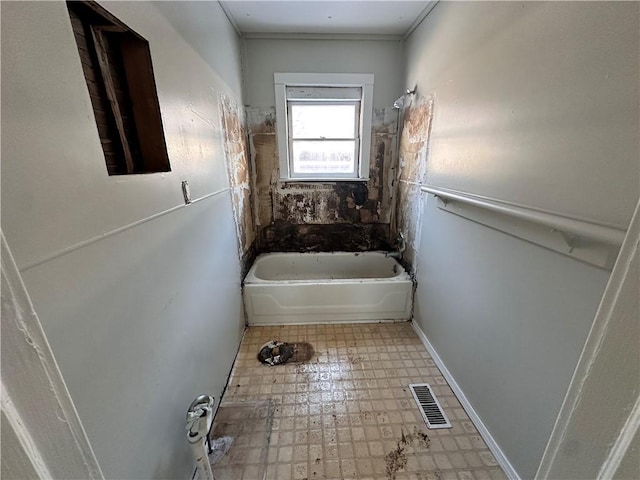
[275, 352]
[219, 446]
[396, 460]
[243, 432]
[344, 413]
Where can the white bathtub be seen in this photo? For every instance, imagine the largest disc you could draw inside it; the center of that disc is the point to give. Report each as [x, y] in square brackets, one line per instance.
[291, 288]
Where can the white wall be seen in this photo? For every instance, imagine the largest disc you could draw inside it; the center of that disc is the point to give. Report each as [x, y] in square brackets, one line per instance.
[536, 104]
[264, 57]
[206, 28]
[138, 294]
[509, 320]
[42, 434]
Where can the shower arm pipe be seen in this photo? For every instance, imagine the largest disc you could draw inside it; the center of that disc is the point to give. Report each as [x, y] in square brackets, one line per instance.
[399, 103]
[579, 228]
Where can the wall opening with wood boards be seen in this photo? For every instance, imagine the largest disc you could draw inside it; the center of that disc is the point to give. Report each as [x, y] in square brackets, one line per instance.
[116, 62]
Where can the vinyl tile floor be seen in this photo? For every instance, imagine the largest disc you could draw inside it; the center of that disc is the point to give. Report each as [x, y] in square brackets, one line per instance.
[345, 413]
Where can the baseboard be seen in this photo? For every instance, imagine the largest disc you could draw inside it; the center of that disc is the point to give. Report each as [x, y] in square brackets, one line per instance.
[280, 322]
[475, 418]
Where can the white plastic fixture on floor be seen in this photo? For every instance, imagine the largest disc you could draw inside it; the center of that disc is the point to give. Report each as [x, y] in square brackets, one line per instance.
[199, 421]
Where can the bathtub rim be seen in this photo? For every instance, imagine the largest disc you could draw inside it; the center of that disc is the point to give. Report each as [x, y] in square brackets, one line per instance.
[251, 279]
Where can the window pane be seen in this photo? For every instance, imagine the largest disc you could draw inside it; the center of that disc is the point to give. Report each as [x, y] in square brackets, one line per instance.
[323, 121]
[323, 157]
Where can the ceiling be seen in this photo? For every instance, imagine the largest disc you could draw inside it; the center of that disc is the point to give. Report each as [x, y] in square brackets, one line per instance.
[326, 17]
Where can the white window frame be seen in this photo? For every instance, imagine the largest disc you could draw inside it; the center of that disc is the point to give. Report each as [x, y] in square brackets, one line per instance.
[363, 81]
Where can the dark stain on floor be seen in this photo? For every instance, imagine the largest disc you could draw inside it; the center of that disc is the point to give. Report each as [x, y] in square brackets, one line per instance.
[396, 459]
[302, 352]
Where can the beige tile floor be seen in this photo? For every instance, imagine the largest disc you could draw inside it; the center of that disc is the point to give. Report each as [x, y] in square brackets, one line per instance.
[347, 413]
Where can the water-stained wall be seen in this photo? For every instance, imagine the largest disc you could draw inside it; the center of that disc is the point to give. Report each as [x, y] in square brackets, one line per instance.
[239, 171]
[322, 216]
[414, 143]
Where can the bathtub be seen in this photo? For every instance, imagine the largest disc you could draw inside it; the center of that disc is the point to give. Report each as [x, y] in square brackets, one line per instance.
[294, 288]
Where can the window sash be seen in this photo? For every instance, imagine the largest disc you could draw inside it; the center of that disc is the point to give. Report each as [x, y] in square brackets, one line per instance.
[361, 82]
[356, 118]
[325, 174]
[355, 138]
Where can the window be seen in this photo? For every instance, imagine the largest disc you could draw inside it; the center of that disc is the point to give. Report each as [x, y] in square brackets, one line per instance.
[116, 62]
[324, 125]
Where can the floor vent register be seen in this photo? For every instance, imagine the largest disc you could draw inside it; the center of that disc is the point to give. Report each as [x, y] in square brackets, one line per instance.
[429, 406]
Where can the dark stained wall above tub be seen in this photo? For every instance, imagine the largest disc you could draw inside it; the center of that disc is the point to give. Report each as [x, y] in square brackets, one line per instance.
[323, 216]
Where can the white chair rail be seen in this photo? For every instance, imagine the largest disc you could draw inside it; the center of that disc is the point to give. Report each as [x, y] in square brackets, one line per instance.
[583, 240]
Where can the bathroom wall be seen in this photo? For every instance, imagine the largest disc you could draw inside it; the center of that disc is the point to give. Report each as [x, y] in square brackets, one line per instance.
[265, 56]
[139, 294]
[533, 104]
[608, 372]
[325, 216]
[202, 26]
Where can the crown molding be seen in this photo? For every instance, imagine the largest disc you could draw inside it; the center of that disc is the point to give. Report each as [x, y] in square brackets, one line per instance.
[232, 21]
[420, 18]
[321, 36]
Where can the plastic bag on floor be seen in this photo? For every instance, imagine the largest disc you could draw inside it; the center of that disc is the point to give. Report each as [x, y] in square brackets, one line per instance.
[219, 447]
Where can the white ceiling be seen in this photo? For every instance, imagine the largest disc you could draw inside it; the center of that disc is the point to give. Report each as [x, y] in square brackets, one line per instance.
[332, 17]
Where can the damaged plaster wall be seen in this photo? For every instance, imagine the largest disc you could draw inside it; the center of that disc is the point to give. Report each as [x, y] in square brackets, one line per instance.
[323, 216]
[412, 168]
[239, 171]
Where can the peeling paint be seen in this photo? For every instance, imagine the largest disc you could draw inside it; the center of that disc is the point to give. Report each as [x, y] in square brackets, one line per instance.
[414, 141]
[239, 171]
[416, 127]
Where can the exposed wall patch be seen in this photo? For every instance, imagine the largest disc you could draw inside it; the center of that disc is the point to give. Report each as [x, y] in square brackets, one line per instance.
[414, 146]
[322, 216]
[239, 171]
